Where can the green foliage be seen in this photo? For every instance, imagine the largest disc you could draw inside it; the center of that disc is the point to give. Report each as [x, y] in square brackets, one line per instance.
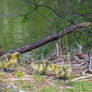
[35, 24]
[74, 5]
[84, 7]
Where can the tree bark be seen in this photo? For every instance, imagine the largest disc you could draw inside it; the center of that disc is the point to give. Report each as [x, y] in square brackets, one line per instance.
[51, 38]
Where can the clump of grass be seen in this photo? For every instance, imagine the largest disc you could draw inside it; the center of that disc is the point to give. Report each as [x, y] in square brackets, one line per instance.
[58, 82]
[28, 86]
[50, 89]
[25, 85]
[20, 74]
[79, 86]
[70, 83]
[16, 66]
[38, 77]
[2, 74]
[69, 90]
[18, 82]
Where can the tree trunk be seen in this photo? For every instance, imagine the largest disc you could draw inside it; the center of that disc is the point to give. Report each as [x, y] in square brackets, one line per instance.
[59, 25]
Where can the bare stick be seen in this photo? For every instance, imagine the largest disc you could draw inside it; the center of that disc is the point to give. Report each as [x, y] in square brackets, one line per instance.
[82, 77]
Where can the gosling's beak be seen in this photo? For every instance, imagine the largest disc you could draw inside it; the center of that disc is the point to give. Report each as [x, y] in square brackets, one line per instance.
[18, 60]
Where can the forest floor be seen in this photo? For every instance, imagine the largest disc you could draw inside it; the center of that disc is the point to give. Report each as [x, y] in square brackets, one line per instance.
[81, 81]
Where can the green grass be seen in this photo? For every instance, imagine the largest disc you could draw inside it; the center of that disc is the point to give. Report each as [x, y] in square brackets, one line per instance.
[49, 89]
[38, 77]
[18, 82]
[24, 85]
[79, 86]
[58, 82]
[2, 74]
[28, 86]
[16, 66]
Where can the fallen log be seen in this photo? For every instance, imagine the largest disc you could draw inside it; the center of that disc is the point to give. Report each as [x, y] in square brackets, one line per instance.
[51, 38]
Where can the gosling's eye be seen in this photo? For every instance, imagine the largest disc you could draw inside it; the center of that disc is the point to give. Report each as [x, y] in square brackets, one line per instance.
[17, 55]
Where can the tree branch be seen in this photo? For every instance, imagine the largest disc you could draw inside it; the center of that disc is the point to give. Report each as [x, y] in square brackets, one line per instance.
[43, 5]
[51, 38]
